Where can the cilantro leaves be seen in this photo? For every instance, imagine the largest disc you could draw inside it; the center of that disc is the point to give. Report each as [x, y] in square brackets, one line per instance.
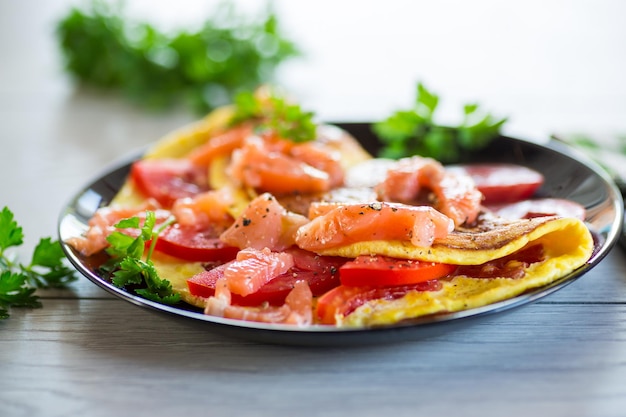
[275, 113]
[201, 69]
[126, 266]
[18, 282]
[415, 132]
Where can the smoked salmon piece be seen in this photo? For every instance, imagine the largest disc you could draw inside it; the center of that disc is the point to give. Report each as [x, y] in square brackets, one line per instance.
[264, 224]
[220, 145]
[322, 158]
[205, 209]
[412, 180]
[297, 310]
[254, 268]
[247, 274]
[351, 223]
[292, 169]
[103, 222]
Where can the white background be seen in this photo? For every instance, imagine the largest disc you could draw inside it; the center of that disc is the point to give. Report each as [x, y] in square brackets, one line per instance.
[548, 65]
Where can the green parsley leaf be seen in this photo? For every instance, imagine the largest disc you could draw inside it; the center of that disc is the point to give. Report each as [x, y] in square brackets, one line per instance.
[19, 282]
[126, 266]
[274, 113]
[46, 269]
[15, 292]
[132, 223]
[426, 102]
[415, 131]
[202, 68]
[11, 234]
[47, 253]
[120, 245]
[159, 290]
[129, 272]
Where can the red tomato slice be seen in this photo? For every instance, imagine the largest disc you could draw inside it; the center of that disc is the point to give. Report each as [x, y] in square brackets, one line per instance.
[167, 180]
[502, 183]
[193, 245]
[305, 260]
[343, 299]
[382, 271]
[540, 207]
[203, 283]
[321, 273]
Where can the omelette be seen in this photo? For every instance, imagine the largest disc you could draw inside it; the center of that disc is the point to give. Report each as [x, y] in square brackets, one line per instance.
[566, 243]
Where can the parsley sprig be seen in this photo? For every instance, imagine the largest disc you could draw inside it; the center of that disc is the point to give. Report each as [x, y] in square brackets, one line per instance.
[126, 265]
[201, 68]
[415, 131]
[18, 282]
[273, 112]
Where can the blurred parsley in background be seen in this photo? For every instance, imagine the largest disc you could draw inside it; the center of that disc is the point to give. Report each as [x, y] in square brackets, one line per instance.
[415, 132]
[202, 69]
[607, 150]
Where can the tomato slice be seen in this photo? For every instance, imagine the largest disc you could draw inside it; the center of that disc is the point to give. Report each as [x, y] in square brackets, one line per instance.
[194, 245]
[344, 299]
[540, 207]
[382, 271]
[500, 182]
[320, 272]
[167, 180]
[305, 260]
[512, 266]
[203, 283]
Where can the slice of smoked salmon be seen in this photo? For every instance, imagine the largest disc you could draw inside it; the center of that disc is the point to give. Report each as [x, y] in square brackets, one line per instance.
[411, 179]
[322, 158]
[256, 166]
[350, 223]
[254, 268]
[102, 224]
[264, 224]
[297, 309]
[458, 198]
[207, 208]
[220, 145]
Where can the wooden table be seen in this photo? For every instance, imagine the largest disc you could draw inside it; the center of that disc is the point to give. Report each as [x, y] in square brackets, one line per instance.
[88, 353]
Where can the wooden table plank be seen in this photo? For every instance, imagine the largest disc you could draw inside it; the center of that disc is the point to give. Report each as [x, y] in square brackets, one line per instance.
[77, 356]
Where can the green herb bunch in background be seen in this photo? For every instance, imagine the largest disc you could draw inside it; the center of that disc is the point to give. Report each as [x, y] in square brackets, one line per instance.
[415, 132]
[202, 69]
[607, 150]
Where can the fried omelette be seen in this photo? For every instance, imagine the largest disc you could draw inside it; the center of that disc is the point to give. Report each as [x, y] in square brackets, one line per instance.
[567, 243]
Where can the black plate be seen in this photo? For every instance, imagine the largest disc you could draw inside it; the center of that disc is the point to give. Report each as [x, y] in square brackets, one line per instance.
[567, 175]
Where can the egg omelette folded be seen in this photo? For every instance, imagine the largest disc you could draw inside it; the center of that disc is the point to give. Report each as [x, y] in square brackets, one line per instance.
[567, 245]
